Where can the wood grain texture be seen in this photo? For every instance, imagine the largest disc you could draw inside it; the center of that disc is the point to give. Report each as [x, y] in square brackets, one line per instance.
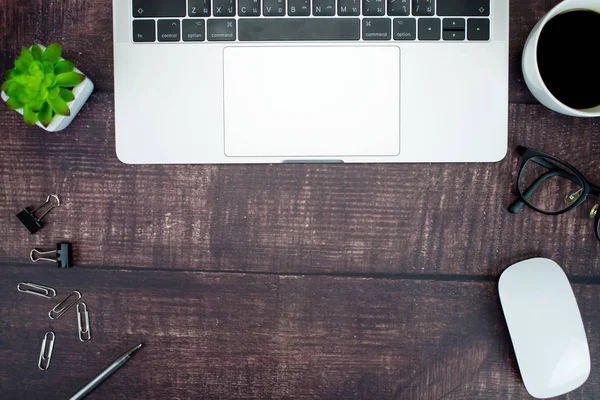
[239, 336]
[392, 219]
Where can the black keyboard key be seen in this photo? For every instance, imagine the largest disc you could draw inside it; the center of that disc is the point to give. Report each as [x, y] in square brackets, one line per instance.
[193, 30]
[144, 31]
[456, 24]
[398, 7]
[220, 30]
[291, 29]
[470, 8]
[273, 8]
[298, 8]
[453, 35]
[159, 8]
[405, 28]
[373, 7]
[377, 29]
[348, 7]
[323, 8]
[169, 30]
[224, 8]
[430, 29]
[423, 7]
[478, 29]
[248, 8]
[199, 8]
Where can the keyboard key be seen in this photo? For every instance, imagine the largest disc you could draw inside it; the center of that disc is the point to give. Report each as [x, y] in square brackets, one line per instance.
[478, 29]
[199, 8]
[405, 28]
[323, 8]
[398, 7]
[298, 8]
[373, 7]
[224, 8]
[348, 7]
[248, 8]
[454, 24]
[471, 8]
[453, 35]
[144, 31]
[273, 8]
[423, 7]
[429, 29]
[219, 30]
[291, 29]
[377, 29]
[169, 30]
[193, 30]
[159, 8]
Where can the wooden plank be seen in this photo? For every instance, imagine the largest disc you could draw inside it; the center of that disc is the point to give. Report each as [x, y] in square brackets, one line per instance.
[404, 218]
[239, 336]
[85, 30]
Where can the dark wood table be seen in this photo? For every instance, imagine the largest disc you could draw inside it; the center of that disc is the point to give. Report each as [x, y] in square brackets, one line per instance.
[273, 281]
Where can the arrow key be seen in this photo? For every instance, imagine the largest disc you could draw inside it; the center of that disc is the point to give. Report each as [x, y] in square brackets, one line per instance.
[454, 35]
[429, 29]
[478, 29]
[454, 24]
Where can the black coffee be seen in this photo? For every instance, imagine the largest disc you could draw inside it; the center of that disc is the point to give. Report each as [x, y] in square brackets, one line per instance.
[569, 58]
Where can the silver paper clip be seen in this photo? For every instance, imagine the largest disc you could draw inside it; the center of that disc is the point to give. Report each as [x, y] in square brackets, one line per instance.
[84, 325]
[46, 352]
[38, 290]
[64, 305]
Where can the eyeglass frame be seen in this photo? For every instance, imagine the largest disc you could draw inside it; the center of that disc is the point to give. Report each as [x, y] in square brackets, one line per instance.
[588, 188]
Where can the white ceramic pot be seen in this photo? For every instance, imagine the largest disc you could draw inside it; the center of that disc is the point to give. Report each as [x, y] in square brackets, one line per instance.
[531, 72]
[81, 92]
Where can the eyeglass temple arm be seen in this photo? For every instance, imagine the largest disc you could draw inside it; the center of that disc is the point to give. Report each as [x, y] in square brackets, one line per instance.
[519, 203]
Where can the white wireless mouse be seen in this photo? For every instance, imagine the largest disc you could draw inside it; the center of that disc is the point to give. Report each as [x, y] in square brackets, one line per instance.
[545, 327]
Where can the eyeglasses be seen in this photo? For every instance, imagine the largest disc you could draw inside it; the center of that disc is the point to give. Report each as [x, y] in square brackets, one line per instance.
[550, 186]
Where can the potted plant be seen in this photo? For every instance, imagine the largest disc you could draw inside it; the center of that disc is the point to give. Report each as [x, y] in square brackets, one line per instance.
[45, 88]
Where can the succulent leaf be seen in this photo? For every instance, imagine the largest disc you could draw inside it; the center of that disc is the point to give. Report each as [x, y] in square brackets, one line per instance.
[64, 66]
[30, 116]
[59, 106]
[36, 51]
[69, 79]
[13, 88]
[52, 53]
[67, 95]
[14, 104]
[45, 114]
[53, 93]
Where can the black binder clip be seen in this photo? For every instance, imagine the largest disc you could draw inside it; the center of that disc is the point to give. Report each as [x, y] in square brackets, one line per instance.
[33, 223]
[64, 257]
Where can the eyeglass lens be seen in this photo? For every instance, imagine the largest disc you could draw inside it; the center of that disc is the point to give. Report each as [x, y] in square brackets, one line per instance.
[549, 185]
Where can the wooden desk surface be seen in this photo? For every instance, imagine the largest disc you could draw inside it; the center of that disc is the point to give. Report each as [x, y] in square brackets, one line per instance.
[273, 281]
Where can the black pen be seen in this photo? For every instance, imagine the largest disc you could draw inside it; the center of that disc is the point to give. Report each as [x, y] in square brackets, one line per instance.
[119, 362]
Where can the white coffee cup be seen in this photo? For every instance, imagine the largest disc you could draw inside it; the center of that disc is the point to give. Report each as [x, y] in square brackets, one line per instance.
[531, 71]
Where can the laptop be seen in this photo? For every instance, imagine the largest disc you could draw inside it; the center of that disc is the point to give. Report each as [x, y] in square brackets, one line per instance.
[276, 81]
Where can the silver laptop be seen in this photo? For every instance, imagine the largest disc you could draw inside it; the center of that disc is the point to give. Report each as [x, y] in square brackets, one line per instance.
[270, 81]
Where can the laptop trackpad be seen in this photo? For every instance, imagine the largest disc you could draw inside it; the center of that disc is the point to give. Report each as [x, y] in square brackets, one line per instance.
[312, 101]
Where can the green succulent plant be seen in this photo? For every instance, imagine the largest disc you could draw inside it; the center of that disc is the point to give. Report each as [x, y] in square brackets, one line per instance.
[41, 84]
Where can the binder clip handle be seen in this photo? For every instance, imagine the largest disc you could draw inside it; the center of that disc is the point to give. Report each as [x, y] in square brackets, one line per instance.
[63, 255]
[33, 223]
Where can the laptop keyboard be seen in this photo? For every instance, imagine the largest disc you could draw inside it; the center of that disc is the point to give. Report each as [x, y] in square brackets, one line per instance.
[169, 21]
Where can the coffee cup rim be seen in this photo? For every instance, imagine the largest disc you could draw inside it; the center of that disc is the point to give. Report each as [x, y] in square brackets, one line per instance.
[566, 5]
